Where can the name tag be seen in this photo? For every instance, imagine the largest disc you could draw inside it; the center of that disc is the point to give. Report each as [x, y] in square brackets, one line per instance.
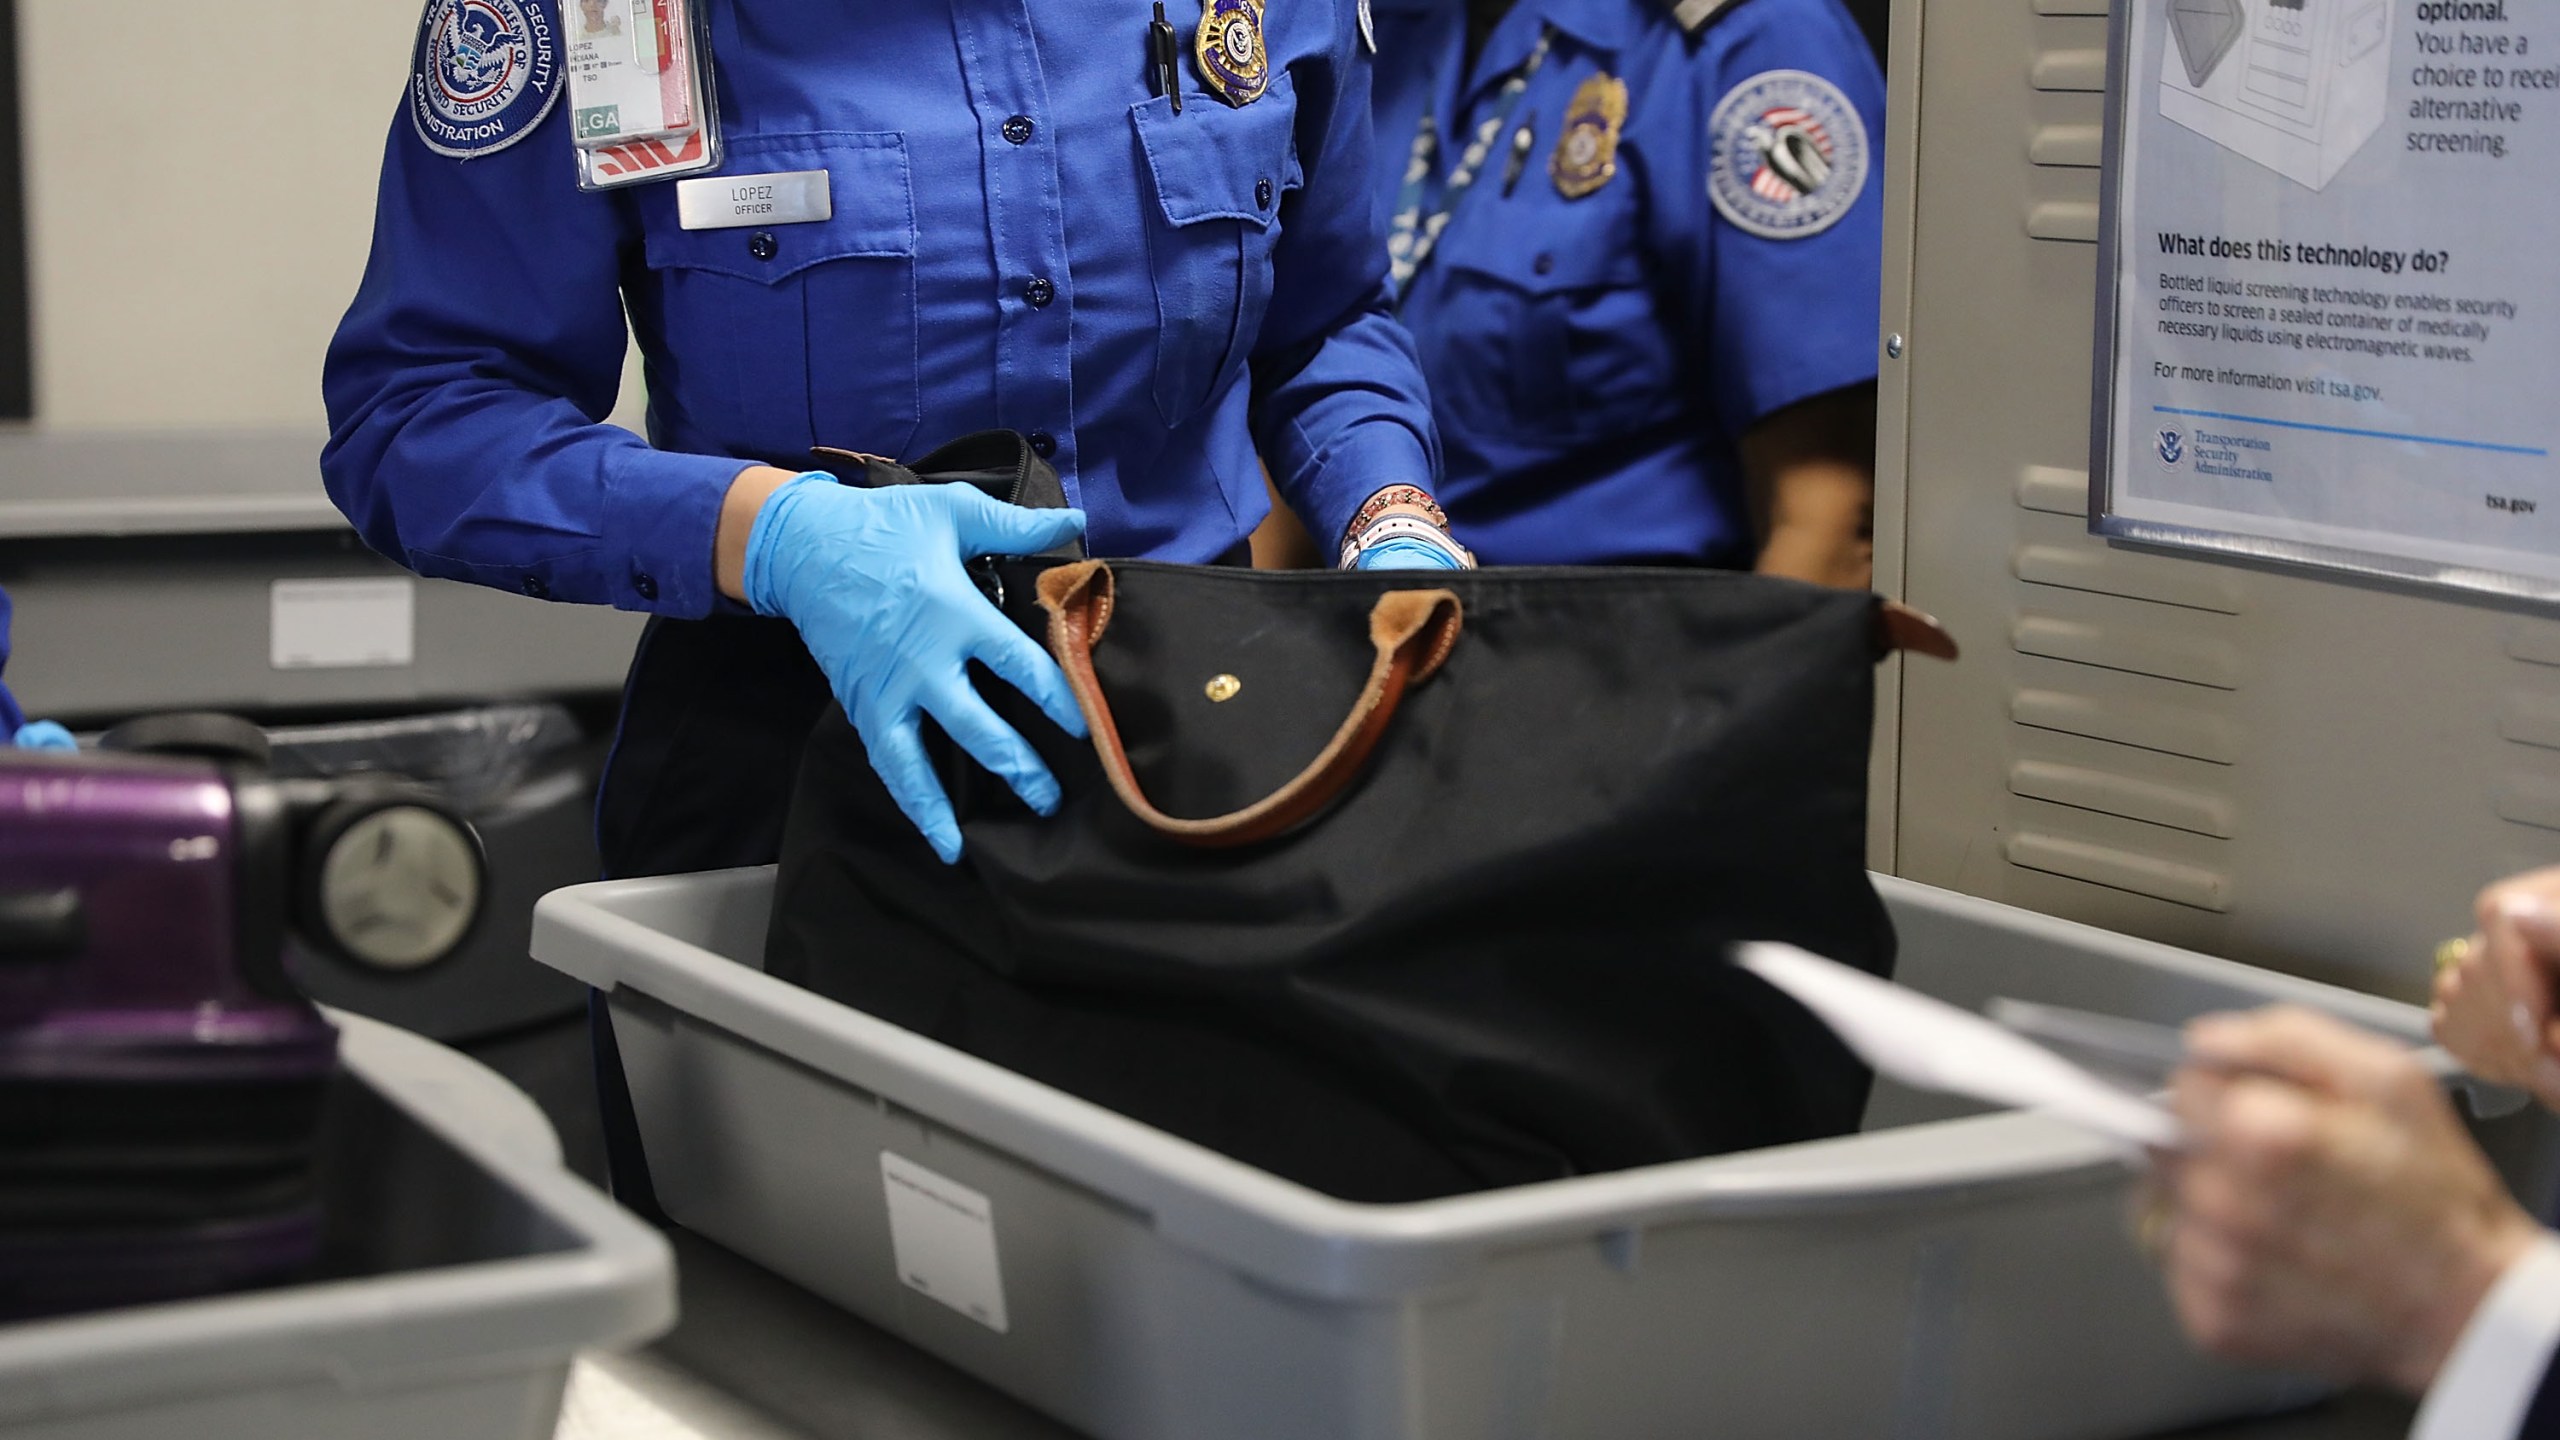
[720, 202]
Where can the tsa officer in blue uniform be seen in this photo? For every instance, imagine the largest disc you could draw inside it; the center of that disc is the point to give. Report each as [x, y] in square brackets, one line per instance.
[15, 728]
[1639, 245]
[1155, 261]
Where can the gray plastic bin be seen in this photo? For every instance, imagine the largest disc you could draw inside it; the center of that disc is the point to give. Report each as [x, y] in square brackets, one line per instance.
[1943, 1275]
[473, 1268]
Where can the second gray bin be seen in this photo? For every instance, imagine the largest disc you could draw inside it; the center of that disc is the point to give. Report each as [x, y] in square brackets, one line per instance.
[1943, 1275]
[467, 1270]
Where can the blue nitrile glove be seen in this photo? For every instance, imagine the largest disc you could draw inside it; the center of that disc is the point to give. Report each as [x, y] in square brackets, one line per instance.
[873, 581]
[44, 735]
[1404, 553]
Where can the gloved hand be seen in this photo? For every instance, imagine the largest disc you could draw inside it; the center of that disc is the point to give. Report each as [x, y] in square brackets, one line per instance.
[1407, 553]
[43, 735]
[873, 581]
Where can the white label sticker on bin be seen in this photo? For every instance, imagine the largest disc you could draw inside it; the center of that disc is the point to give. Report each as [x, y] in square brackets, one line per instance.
[943, 1235]
[341, 624]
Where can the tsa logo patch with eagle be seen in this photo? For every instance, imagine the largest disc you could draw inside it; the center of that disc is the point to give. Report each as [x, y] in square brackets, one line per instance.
[1790, 155]
[485, 74]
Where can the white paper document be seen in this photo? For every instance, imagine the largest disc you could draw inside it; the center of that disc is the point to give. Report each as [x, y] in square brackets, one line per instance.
[1932, 1045]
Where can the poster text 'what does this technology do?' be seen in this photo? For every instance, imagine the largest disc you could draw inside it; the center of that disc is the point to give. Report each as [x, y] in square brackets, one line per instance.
[2337, 262]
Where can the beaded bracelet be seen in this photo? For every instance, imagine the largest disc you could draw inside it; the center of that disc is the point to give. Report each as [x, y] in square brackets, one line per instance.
[1391, 497]
[1411, 527]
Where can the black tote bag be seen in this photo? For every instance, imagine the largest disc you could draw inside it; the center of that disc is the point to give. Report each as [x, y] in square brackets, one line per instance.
[1411, 883]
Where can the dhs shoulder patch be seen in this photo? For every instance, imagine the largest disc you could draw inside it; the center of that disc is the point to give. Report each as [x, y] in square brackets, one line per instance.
[485, 74]
[1790, 155]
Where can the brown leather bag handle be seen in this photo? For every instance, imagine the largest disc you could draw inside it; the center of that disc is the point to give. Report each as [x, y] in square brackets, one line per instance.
[1411, 630]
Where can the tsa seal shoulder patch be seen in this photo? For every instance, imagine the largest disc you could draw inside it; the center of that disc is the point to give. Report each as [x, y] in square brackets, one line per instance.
[485, 74]
[1790, 155]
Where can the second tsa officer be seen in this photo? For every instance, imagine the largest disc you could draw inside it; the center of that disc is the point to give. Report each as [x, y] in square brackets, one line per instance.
[1639, 246]
[1150, 247]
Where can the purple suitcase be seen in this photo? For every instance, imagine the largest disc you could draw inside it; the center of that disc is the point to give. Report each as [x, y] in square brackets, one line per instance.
[162, 1086]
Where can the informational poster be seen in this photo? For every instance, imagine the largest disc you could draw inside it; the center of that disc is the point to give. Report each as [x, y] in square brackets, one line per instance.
[2333, 241]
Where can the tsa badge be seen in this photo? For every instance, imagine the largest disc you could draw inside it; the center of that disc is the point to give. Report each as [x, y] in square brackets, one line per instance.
[485, 74]
[1586, 155]
[1790, 155]
[1229, 49]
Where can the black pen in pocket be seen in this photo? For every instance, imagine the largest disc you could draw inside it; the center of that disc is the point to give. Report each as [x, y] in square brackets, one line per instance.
[1521, 140]
[1164, 58]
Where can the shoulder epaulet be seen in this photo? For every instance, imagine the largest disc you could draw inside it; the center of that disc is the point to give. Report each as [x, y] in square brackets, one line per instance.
[1696, 15]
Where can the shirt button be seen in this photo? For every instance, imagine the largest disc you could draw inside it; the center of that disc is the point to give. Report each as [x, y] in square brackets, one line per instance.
[1039, 292]
[647, 585]
[534, 587]
[1262, 193]
[1043, 444]
[1543, 264]
[1018, 129]
[762, 245]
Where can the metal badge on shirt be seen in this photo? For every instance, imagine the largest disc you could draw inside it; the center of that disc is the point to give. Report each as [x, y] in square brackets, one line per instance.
[1586, 156]
[1229, 50]
[724, 202]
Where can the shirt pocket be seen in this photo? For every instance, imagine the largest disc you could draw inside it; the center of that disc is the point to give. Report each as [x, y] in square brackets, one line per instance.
[1542, 342]
[780, 337]
[1218, 173]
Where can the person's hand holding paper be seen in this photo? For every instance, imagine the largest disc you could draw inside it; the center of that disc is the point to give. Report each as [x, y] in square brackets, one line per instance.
[2319, 1206]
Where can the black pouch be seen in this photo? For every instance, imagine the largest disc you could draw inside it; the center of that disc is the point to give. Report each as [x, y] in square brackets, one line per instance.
[1000, 462]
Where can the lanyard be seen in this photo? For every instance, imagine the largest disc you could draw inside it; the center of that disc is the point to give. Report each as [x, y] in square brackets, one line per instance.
[1413, 235]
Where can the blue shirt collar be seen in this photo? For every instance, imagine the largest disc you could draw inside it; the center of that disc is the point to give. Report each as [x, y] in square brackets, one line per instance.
[1599, 24]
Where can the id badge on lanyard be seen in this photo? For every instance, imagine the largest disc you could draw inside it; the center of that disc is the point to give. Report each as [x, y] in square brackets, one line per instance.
[1413, 231]
[641, 100]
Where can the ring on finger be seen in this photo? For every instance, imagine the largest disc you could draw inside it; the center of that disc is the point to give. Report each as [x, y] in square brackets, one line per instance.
[2153, 1223]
